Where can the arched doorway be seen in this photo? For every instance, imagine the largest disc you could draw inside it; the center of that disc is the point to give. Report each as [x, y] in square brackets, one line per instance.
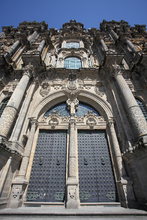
[90, 155]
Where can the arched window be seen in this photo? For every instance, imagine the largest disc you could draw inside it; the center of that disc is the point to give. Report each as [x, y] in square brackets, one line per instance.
[72, 45]
[72, 63]
[3, 105]
[60, 109]
[81, 110]
[142, 107]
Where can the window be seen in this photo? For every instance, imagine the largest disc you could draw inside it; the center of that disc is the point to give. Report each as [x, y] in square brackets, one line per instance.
[72, 63]
[81, 110]
[3, 105]
[142, 107]
[84, 109]
[60, 109]
[72, 45]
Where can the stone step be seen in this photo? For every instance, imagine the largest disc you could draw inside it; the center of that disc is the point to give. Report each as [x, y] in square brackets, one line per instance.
[85, 212]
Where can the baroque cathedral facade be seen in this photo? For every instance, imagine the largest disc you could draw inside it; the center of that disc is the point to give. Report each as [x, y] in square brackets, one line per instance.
[73, 111]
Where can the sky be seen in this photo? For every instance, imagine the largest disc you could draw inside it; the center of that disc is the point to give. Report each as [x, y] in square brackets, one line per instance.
[57, 12]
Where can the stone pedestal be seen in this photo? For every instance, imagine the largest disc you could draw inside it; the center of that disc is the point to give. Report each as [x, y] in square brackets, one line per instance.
[4, 174]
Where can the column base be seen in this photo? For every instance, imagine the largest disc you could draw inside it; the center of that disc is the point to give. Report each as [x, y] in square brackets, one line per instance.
[18, 188]
[73, 201]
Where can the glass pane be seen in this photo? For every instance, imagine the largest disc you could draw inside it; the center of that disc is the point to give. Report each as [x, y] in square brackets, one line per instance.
[61, 109]
[72, 45]
[81, 110]
[143, 108]
[72, 63]
[84, 109]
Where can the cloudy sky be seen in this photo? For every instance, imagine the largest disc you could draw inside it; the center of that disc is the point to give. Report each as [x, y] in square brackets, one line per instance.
[57, 12]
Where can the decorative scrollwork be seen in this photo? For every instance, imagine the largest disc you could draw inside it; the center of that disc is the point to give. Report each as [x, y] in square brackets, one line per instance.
[45, 88]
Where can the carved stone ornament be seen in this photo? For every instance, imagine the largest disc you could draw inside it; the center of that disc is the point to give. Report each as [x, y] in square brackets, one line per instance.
[16, 191]
[9, 88]
[45, 88]
[72, 104]
[91, 122]
[57, 87]
[72, 85]
[53, 122]
[72, 192]
[29, 70]
[71, 90]
[99, 92]
[116, 70]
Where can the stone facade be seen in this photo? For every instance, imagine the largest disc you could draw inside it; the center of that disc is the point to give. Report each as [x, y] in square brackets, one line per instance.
[107, 70]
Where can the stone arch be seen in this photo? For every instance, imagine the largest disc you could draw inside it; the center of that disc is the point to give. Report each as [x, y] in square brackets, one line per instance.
[94, 100]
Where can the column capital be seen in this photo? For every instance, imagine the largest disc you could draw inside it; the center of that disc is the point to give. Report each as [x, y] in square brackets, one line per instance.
[116, 70]
[28, 70]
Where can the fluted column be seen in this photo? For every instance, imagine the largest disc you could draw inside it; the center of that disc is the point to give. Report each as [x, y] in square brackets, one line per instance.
[133, 110]
[72, 180]
[9, 115]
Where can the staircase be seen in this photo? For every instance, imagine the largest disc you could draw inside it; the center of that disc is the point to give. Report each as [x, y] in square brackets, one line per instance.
[83, 213]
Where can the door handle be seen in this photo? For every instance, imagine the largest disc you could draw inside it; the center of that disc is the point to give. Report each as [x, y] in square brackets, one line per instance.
[58, 162]
[85, 161]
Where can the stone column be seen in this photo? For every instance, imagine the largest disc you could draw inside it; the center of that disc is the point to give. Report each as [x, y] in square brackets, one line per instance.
[131, 46]
[22, 114]
[12, 50]
[114, 35]
[41, 46]
[72, 180]
[31, 38]
[20, 182]
[9, 114]
[104, 46]
[133, 110]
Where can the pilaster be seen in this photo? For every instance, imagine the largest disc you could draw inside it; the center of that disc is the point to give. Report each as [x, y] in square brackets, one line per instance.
[72, 180]
[124, 185]
[20, 182]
